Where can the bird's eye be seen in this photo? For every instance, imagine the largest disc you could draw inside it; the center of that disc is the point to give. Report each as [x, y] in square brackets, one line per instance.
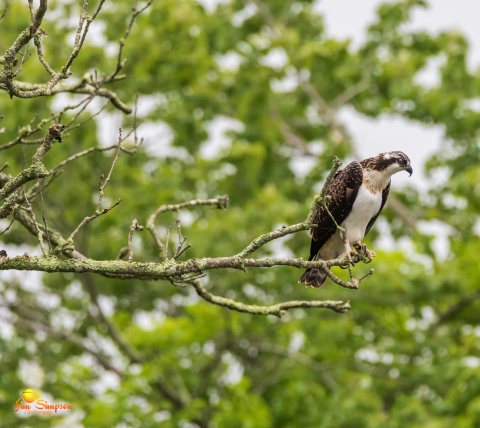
[401, 161]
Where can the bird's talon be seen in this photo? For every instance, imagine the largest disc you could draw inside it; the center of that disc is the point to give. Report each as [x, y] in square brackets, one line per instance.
[369, 255]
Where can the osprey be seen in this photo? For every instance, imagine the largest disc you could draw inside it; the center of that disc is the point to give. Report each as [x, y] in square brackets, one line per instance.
[357, 195]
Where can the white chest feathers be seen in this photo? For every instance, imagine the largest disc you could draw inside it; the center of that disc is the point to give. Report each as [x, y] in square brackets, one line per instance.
[366, 206]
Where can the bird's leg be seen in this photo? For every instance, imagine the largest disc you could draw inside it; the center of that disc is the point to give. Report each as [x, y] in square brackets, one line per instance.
[346, 244]
[348, 251]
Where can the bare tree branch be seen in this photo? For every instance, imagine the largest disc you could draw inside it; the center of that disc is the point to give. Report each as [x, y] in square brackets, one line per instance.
[136, 12]
[37, 227]
[85, 87]
[277, 310]
[32, 90]
[169, 268]
[36, 170]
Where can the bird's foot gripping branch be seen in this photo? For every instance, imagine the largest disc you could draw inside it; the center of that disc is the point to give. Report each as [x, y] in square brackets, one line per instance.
[61, 255]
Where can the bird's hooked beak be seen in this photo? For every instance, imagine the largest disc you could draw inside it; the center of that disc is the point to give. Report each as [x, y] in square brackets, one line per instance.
[409, 170]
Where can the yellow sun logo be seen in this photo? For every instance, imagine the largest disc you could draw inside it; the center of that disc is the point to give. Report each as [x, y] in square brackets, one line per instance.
[29, 395]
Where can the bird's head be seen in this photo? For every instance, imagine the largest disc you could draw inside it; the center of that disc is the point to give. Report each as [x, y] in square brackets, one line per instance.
[389, 163]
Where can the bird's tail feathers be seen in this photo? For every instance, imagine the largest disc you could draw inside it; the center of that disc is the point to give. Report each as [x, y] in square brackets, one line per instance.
[313, 277]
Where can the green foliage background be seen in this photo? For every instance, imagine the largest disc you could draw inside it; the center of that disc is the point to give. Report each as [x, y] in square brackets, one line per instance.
[397, 359]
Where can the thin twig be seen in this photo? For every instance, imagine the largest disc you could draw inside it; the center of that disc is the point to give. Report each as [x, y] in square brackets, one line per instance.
[78, 125]
[43, 215]
[10, 225]
[88, 219]
[135, 126]
[79, 36]
[370, 272]
[135, 226]
[86, 152]
[101, 187]
[219, 202]
[4, 12]
[30, 6]
[38, 43]
[182, 250]
[120, 61]
[101, 194]
[85, 103]
[181, 241]
[340, 228]
[166, 242]
[25, 132]
[23, 60]
[37, 227]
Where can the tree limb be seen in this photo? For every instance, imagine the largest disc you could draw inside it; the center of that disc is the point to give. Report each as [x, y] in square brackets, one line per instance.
[277, 310]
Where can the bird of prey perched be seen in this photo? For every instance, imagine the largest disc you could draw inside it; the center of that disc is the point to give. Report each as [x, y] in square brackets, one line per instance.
[357, 195]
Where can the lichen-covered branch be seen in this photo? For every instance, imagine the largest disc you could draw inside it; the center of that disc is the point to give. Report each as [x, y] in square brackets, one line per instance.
[277, 310]
[33, 90]
[166, 270]
[36, 170]
[23, 38]
[87, 86]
